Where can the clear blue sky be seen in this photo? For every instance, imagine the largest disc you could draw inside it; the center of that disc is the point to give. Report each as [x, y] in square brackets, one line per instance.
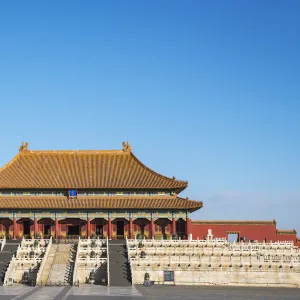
[207, 91]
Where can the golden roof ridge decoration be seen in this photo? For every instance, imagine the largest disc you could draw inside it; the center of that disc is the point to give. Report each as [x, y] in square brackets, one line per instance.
[23, 147]
[126, 147]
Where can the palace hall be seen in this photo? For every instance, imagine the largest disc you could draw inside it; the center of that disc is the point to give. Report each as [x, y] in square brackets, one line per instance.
[107, 194]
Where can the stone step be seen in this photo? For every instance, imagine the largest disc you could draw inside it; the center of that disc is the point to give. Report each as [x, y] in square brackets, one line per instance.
[118, 261]
[60, 266]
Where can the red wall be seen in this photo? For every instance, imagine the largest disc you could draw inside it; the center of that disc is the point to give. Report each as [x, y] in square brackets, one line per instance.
[260, 232]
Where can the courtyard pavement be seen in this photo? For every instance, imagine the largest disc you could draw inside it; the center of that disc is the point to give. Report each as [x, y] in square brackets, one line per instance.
[154, 292]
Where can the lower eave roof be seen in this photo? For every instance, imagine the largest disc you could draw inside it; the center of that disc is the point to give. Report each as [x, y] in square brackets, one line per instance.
[98, 202]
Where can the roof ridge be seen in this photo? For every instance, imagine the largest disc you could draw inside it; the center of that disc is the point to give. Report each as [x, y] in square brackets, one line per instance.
[11, 161]
[74, 151]
[154, 172]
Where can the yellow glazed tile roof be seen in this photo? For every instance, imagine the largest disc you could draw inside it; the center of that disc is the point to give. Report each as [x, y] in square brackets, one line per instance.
[116, 169]
[101, 202]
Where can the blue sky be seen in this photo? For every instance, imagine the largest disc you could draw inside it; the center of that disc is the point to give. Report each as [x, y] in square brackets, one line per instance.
[207, 91]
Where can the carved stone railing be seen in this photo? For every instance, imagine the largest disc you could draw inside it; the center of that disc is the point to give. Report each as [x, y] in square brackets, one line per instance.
[129, 261]
[216, 245]
[23, 258]
[107, 269]
[8, 278]
[74, 281]
[99, 247]
[40, 271]
[3, 242]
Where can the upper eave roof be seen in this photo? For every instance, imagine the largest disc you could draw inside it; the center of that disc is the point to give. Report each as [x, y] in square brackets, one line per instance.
[82, 169]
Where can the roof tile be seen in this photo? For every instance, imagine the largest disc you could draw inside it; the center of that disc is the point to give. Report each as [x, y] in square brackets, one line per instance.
[102, 202]
[114, 169]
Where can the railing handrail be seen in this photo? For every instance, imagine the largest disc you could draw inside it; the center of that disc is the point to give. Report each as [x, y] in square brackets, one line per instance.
[40, 271]
[75, 262]
[12, 262]
[3, 242]
[129, 261]
[218, 241]
[8, 271]
[107, 255]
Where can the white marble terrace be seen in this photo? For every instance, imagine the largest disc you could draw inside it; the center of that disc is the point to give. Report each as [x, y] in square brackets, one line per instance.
[215, 261]
[29, 258]
[92, 257]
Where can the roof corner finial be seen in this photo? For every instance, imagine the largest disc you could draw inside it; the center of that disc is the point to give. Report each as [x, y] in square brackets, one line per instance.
[23, 147]
[126, 147]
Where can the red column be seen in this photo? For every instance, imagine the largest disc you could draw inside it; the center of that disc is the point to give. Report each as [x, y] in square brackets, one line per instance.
[15, 228]
[188, 227]
[130, 228]
[109, 228]
[88, 227]
[173, 225]
[35, 226]
[56, 227]
[152, 228]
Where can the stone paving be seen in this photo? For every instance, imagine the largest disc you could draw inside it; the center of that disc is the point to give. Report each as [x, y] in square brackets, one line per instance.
[154, 292]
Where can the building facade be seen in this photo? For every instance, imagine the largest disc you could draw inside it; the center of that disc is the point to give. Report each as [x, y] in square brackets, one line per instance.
[105, 193]
[84, 193]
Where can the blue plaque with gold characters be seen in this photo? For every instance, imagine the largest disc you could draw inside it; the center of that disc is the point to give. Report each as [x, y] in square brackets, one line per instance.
[72, 193]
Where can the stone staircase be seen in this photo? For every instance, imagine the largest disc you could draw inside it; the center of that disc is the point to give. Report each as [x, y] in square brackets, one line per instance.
[10, 248]
[119, 273]
[59, 266]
